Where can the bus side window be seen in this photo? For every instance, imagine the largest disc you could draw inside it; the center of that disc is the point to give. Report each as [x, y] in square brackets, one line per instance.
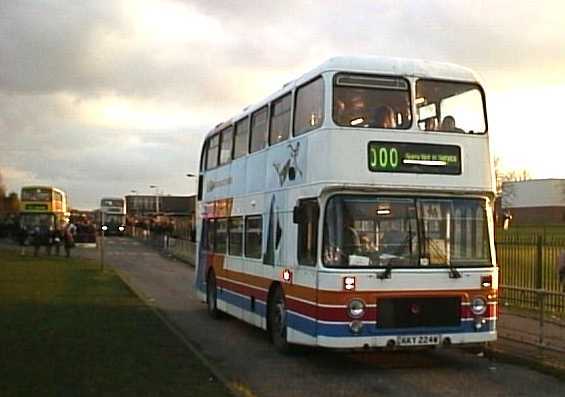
[241, 138]
[221, 236]
[212, 153]
[259, 130]
[309, 109]
[210, 235]
[235, 236]
[308, 213]
[226, 145]
[280, 120]
[253, 236]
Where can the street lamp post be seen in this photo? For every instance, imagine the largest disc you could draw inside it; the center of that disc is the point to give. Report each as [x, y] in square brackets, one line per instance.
[156, 197]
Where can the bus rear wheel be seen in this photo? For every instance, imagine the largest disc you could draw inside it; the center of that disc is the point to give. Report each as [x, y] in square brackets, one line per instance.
[212, 296]
[278, 321]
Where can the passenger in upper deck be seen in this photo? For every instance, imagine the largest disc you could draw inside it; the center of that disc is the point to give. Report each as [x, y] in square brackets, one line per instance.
[448, 124]
[384, 117]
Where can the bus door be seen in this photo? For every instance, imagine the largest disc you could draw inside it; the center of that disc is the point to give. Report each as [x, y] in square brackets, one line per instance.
[306, 215]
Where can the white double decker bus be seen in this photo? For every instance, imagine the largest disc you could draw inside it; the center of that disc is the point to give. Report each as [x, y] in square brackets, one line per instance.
[353, 209]
[112, 215]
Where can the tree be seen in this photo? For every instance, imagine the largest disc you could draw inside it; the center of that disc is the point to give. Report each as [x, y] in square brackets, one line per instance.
[2, 187]
[508, 176]
[2, 193]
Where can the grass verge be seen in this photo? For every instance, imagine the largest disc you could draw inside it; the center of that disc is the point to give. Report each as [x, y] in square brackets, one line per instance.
[68, 329]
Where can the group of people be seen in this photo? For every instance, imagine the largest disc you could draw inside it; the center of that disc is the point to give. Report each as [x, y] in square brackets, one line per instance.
[52, 238]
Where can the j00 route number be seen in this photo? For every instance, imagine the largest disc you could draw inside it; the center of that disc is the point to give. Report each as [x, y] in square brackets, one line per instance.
[383, 158]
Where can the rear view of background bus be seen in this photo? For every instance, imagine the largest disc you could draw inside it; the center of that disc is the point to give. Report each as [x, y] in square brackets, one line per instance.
[353, 209]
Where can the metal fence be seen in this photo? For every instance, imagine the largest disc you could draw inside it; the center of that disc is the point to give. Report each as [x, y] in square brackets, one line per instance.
[528, 268]
[541, 333]
[179, 248]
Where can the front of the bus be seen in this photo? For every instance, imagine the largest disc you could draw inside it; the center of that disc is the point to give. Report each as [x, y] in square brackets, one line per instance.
[36, 208]
[113, 216]
[407, 255]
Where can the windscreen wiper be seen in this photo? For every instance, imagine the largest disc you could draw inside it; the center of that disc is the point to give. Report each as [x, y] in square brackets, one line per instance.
[386, 274]
[453, 272]
[388, 270]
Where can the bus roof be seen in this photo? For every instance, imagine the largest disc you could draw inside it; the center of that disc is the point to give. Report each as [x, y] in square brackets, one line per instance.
[366, 64]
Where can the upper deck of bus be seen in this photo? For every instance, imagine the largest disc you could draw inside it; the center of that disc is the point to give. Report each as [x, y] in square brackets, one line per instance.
[337, 154]
[112, 205]
[36, 199]
[42, 188]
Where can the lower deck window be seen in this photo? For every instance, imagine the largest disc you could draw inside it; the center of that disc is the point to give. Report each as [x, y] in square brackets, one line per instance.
[253, 236]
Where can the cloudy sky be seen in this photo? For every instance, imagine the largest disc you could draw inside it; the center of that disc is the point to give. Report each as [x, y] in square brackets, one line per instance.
[103, 97]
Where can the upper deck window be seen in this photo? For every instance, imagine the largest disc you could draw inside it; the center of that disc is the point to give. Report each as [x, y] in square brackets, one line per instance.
[371, 102]
[37, 194]
[258, 130]
[450, 107]
[213, 148]
[105, 203]
[241, 138]
[280, 120]
[226, 146]
[309, 109]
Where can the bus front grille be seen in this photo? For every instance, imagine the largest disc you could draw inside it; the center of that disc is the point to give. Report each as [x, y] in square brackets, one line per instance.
[418, 312]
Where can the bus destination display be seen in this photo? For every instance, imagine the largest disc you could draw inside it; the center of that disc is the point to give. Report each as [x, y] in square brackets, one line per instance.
[417, 158]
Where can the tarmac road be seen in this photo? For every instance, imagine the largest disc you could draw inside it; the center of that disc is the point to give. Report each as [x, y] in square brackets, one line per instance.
[244, 354]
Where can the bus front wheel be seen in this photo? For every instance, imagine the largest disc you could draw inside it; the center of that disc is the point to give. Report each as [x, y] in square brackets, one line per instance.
[278, 321]
[212, 296]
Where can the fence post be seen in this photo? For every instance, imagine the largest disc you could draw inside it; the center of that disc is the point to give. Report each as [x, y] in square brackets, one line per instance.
[539, 264]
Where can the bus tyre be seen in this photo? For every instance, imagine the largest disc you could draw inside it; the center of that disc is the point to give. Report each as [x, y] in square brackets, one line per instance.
[212, 296]
[278, 321]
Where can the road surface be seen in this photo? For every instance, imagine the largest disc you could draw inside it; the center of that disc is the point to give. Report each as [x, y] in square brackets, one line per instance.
[245, 355]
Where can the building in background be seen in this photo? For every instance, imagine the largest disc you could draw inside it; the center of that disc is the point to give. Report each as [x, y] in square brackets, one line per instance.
[170, 214]
[9, 213]
[535, 202]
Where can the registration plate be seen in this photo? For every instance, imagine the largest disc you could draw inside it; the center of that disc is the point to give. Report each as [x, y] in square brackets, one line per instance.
[417, 340]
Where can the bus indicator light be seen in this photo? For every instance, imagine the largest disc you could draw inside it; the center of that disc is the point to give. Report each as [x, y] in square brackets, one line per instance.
[486, 281]
[349, 283]
[287, 276]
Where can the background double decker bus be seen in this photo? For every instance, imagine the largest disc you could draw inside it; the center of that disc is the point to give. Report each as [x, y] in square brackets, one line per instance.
[43, 205]
[353, 209]
[113, 215]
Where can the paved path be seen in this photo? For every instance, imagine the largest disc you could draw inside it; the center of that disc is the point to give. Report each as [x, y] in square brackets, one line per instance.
[244, 354]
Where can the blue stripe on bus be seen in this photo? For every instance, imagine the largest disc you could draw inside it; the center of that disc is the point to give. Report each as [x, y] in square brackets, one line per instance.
[243, 302]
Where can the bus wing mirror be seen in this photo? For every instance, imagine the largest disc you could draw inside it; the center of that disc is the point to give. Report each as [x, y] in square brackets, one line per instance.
[506, 221]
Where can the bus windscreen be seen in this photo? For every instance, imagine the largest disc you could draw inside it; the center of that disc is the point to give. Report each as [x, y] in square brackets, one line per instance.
[365, 231]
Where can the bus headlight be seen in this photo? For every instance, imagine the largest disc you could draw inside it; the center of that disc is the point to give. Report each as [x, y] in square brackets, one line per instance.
[478, 306]
[356, 308]
[121, 228]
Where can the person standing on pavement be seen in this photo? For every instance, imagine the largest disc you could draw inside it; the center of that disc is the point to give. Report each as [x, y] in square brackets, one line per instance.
[68, 239]
[35, 238]
[57, 240]
[22, 239]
